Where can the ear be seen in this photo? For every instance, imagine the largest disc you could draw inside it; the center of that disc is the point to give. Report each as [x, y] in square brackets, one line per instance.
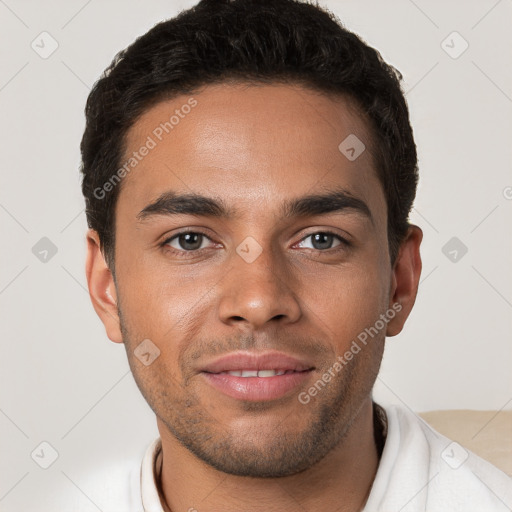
[405, 280]
[102, 288]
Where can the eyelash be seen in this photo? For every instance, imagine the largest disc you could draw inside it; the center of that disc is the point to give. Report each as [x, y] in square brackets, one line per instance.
[344, 243]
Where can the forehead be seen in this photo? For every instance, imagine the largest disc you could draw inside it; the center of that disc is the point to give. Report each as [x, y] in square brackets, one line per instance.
[251, 145]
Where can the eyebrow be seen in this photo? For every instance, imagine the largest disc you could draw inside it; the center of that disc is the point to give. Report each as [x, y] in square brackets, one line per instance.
[333, 201]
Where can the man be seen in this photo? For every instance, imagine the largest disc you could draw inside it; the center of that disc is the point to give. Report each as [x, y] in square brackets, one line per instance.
[249, 169]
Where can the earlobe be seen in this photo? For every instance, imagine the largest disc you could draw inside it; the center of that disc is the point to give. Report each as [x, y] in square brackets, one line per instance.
[405, 280]
[102, 288]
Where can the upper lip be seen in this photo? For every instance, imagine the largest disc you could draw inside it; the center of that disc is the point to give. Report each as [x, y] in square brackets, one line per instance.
[256, 361]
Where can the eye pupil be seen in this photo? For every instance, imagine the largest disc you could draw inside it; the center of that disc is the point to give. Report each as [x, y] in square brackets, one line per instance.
[188, 238]
[320, 237]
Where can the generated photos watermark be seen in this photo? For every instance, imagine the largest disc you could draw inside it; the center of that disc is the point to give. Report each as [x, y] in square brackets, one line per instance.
[355, 347]
[157, 135]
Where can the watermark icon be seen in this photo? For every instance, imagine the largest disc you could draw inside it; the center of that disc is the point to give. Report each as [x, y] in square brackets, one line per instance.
[249, 249]
[454, 249]
[44, 45]
[454, 45]
[44, 250]
[146, 352]
[44, 455]
[454, 455]
[157, 135]
[305, 396]
[352, 147]
[507, 193]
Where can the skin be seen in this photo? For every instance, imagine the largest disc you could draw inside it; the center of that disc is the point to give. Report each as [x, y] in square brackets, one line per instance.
[255, 147]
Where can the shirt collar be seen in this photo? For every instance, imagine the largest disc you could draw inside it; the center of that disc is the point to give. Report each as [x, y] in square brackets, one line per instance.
[149, 473]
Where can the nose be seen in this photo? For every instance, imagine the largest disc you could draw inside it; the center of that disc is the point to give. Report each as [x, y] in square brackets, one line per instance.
[258, 292]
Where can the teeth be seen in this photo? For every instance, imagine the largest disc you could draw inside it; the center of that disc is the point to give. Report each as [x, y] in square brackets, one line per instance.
[267, 373]
[257, 373]
[249, 373]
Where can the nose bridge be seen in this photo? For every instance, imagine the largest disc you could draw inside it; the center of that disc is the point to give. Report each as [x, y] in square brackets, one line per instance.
[257, 288]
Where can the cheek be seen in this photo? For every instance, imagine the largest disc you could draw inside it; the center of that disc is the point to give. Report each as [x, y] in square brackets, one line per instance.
[347, 302]
[170, 308]
[155, 298]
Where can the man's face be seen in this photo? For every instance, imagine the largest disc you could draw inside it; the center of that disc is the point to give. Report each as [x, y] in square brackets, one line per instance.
[320, 280]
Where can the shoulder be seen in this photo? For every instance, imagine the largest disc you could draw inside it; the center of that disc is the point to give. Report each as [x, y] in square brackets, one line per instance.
[421, 469]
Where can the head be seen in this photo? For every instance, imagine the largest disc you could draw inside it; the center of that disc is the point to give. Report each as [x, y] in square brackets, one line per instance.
[280, 142]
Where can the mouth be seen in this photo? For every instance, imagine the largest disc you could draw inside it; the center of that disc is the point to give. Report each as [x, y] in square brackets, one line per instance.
[256, 373]
[257, 377]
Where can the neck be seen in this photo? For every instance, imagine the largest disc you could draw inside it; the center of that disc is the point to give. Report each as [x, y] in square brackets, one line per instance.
[341, 481]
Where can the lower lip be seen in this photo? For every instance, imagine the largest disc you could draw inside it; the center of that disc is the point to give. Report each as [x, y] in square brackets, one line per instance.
[256, 388]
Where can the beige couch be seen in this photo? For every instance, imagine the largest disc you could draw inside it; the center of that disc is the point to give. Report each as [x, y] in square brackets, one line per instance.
[486, 433]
